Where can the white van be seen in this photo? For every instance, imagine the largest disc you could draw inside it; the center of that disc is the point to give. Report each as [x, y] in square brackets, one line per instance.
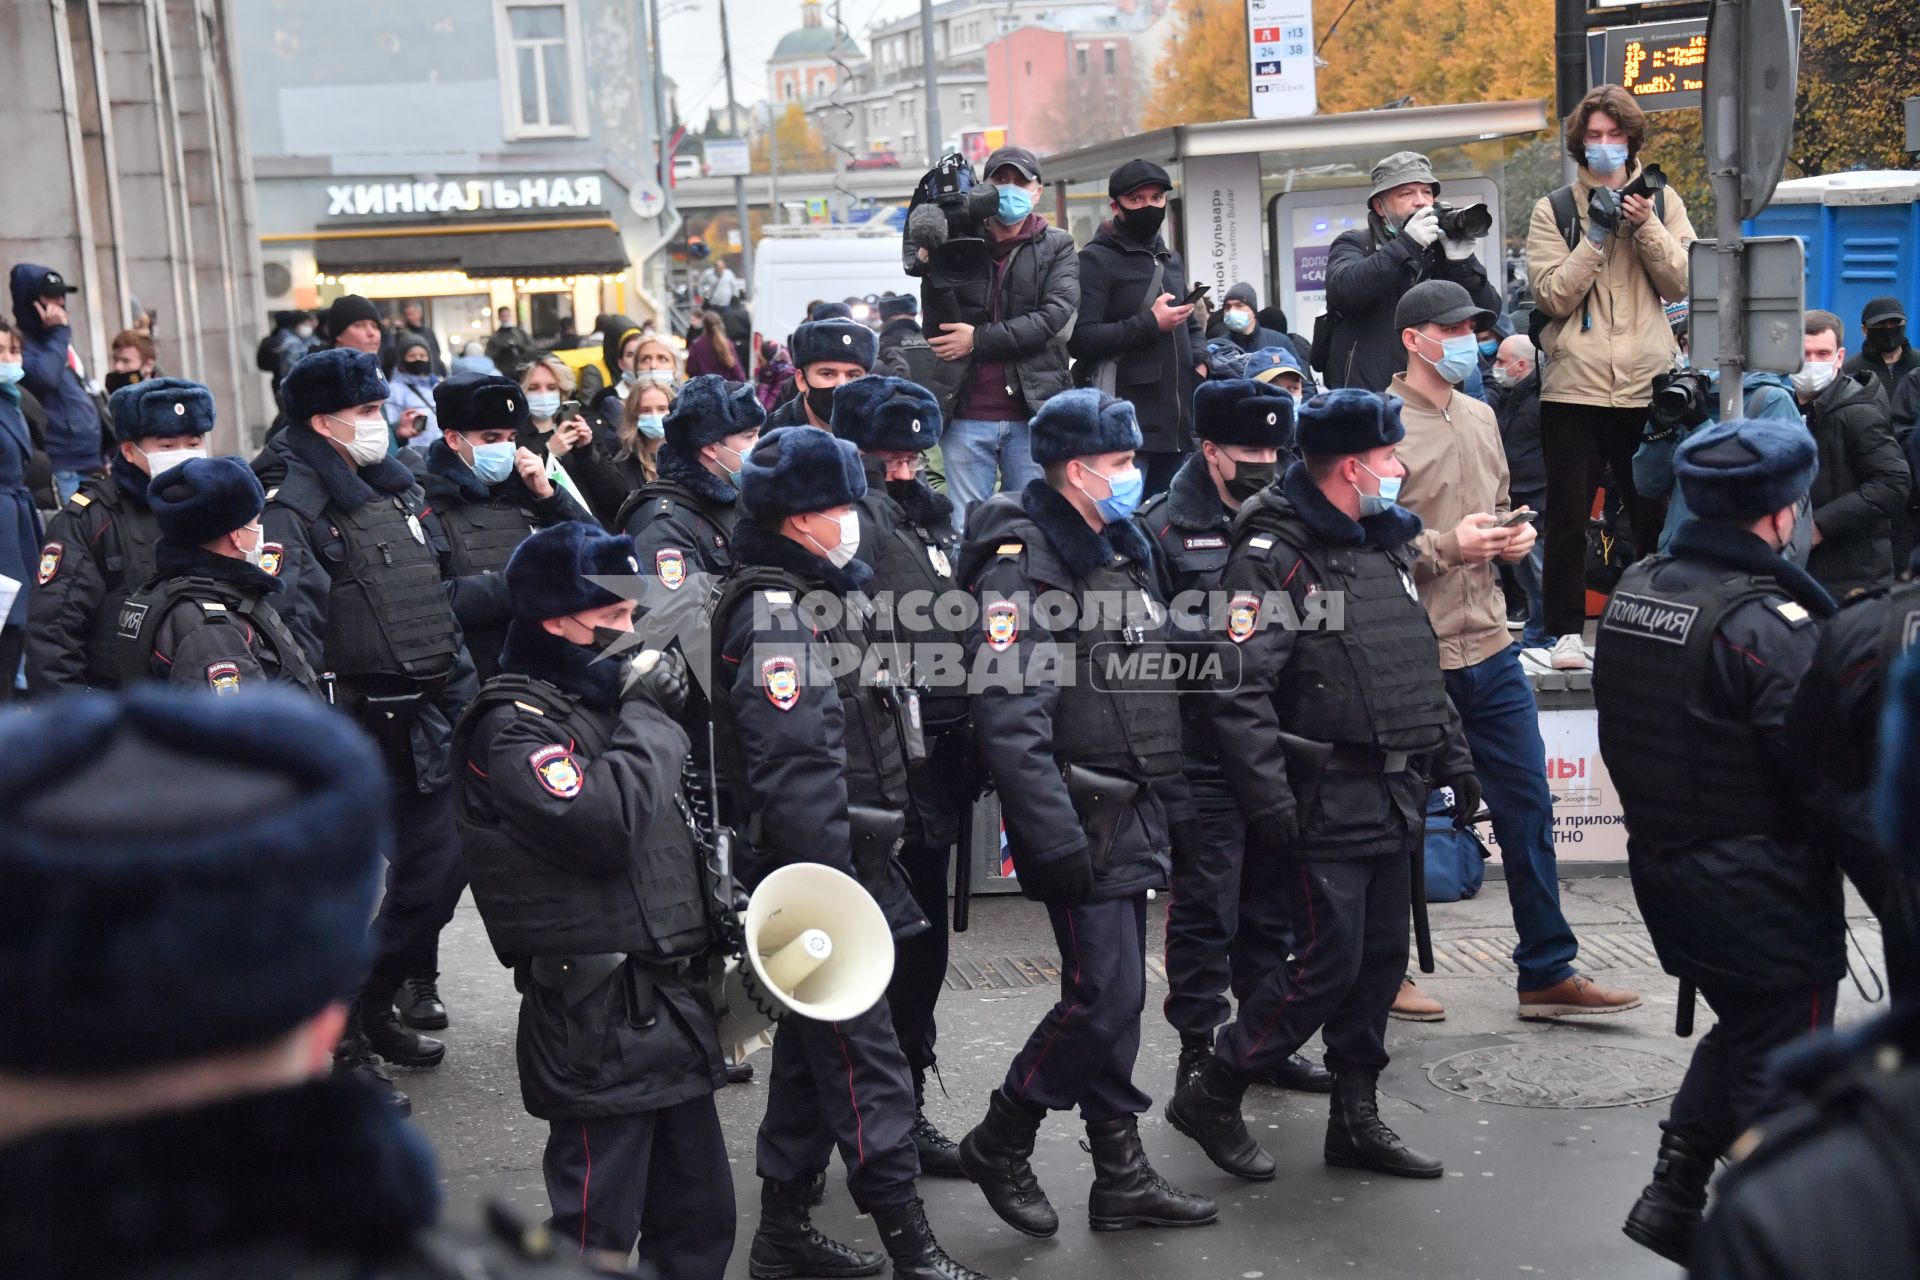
[793, 266]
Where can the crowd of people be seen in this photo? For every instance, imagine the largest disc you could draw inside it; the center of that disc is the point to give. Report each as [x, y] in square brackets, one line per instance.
[461, 560]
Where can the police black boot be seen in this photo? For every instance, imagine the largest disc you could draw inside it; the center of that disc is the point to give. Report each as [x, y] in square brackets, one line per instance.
[788, 1244]
[420, 1004]
[1302, 1075]
[397, 1044]
[997, 1155]
[1358, 1139]
[1195, 1053]
[1208, 1111]
[916, 1254]
[352, 1057]
[939, 1154]
[1668, 1212]
[1127, 1193]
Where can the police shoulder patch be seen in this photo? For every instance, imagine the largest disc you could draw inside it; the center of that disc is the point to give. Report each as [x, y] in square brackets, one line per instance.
[670, 565]
[224, 677]
[556, 770]
[49, 562]
[1010, 548]
[1260, 546]
[81, 501]
[1002, 620]
[271, 554]
[1649, 617]
[780, 677]
[1243, 616]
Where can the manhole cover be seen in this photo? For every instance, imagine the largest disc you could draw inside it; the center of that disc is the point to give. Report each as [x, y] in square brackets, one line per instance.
[1565, 1076]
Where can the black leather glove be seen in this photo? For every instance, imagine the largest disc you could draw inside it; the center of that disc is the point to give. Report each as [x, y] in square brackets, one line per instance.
[660, 677]
[1603, 214]
[1274, 836]
[1064, 880]
[1466, 799]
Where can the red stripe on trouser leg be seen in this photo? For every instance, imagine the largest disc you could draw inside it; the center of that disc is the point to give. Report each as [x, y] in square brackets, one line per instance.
[585, 1184]
[853, 1095]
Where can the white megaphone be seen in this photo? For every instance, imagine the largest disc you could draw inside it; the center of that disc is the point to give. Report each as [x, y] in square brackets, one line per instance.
[816, 944]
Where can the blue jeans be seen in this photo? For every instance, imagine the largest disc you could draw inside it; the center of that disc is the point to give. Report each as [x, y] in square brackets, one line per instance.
[977, 451]
[66, 483]
[1502, 723]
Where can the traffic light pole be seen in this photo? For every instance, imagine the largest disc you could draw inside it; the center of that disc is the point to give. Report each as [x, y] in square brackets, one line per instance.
[739, 183]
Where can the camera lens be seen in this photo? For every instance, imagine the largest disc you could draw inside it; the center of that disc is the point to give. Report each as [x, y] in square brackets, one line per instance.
[1470, 223]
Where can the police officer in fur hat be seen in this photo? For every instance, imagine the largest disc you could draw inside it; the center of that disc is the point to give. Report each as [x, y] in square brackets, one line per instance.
[489, 494]
[816, 768]
[682, 522]
[908, 539]
[1829, 1190]
[164, 1106]
[100, 546]
[587, 877]
[350, 534]
[1217, 927]
[1340, 813]
[205, 621]
[826, 353]
[1088, 771]
[1697, 658]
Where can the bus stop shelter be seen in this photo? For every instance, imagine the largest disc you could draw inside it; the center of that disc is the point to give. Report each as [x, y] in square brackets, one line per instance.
[1261, 200]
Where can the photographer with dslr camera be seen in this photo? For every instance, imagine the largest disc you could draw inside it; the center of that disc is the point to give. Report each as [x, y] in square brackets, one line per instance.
[1410, 236]
[1684, 400]
[1602, 254]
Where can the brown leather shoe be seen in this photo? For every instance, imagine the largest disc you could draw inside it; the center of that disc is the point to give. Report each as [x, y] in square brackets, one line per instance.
[1415, 1005]
[1575, 997]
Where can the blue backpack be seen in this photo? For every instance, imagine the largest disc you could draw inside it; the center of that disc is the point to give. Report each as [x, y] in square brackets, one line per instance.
[1456, 860]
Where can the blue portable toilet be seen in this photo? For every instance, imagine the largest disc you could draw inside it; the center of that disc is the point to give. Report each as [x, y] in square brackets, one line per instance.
[1862, 233]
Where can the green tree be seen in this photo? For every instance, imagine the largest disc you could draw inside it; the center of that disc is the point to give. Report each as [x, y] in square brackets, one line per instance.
[801, 148]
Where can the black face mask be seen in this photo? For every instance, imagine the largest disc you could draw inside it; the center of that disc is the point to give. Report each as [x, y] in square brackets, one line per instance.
[901, 490]
[420, 367]
[115, 381]
[1143, 224]
[1882, 341]
[820, 400]
[1249, 478]
[604, 638]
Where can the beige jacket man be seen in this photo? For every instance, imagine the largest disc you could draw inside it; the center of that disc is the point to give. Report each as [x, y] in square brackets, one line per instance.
[1610, 335]
[1455, 468]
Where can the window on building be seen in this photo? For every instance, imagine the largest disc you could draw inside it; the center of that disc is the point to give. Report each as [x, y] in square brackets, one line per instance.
[906, 142]
[1080, 59]
[820, 86]
[786, 89]
[966, 101]
[540, 69]
[1112, 60]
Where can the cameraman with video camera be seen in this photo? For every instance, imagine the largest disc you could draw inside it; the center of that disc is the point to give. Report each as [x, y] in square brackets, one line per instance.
[1602, 254]
[1411, 236]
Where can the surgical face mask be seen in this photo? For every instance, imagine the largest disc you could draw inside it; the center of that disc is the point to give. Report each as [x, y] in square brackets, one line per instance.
[628, 377]
[1800, 542]
[1605, 158]
[303, 331]
[1814, 377]
[1123, 494]
[820, 402]
[849, 546]
[369, 443]
[1015, 204]
[1248, 479]
[732, 473]
[11, 372]
[418, 368]
[160, 461]
[543, 404]
[1505, 377]
[654, 377]
[1489, 349]
[252, 554]
[651, 425]
[1374, 504]
[1458, 357]
[1237, 320]
[493, 462]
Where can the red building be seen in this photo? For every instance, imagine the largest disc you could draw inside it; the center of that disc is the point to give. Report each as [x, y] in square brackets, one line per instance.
[1056, 90]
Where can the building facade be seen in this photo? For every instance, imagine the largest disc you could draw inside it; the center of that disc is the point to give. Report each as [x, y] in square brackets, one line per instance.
[809, 61]
[465, 154]
[128, 172]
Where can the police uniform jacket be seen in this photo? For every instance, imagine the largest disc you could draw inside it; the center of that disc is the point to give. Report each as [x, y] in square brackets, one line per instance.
[221, 631]
[682, 523]
[793, 413]
[1364, 690]
[482, 525]
[1697, 658]
[306, 550]
[99, 550]
[1031, 722]
[210, 1193]
[569, 809]
[1192, 528]
[800, 747]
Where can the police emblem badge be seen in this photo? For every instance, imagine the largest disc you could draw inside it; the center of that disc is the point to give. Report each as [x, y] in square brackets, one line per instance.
[671, 564]
[556, 770]
[224, 677]
[270, 553]
[50, 562]
[781, 679]
[1243, 614]
[1003, 625]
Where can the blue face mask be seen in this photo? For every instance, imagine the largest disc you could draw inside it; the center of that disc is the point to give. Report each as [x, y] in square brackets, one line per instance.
[1604, 158]
[493, 462]
[1237, 320]
[1123, 494]
[1489, 349]
[1015, 204]
[11, 372]
[1374, 504]
[652, 425]
[1458, 357]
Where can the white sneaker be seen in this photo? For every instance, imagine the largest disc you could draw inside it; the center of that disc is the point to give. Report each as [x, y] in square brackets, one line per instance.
[1571, 655]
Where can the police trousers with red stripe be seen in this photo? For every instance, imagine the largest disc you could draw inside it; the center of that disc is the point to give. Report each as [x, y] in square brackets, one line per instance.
[1350, 921]
[1727, 1088]
[1082, 1053]
[659, 1176]
[843, 1084]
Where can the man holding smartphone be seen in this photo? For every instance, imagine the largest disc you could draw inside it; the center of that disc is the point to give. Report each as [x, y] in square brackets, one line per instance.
[1137, 322]
[1457, 484]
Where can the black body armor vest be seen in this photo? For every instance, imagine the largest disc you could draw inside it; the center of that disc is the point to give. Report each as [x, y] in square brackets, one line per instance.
[481, 536]
[712, 523]
[142, 613]
[388, 613]
[123, 572]
[1121, 711]
[912, 560]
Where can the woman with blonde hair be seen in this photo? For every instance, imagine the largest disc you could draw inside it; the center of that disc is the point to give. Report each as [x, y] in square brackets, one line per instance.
[565, 442]
[640, 358]
[643, 424]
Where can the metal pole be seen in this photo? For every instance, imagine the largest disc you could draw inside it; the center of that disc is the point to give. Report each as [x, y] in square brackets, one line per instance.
[773, 173]
[1570, 60]
[739, 183]
[930, 74]
[1725, 24]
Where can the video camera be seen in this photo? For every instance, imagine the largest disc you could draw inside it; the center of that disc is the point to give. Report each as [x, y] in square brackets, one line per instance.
[945, 243]
[1470, 223]
[1682, 399]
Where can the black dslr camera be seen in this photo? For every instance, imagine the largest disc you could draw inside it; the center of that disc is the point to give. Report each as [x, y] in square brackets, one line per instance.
[1470, 223]
[1682, 400]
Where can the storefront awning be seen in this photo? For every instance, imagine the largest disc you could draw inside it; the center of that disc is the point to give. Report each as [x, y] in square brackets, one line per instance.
[594, 249]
